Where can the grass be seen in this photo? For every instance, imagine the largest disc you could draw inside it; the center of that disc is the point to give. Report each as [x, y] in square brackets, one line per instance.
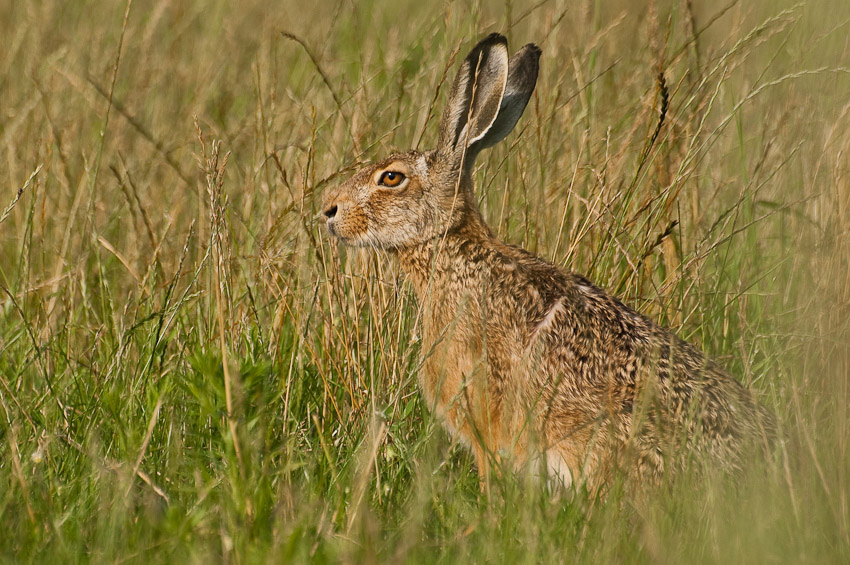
[190, 370]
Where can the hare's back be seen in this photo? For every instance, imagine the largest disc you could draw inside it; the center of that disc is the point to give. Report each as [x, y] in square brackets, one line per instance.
[604, 360]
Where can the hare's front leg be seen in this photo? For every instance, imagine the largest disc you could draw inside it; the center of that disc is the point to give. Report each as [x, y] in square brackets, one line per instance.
[482, 463]
[486, 443]
[488, 464]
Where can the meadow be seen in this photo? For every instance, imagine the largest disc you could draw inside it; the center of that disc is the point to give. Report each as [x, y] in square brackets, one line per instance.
[191, 370]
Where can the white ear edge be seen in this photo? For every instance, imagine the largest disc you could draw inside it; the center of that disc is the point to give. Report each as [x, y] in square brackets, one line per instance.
[500, 52]
[476, 95]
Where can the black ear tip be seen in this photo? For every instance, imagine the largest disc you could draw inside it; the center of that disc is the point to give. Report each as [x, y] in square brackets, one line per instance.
[492, 39]
[532, 48]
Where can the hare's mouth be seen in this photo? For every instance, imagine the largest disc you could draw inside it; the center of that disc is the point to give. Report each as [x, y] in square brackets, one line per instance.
[334, 231]
[329, 224]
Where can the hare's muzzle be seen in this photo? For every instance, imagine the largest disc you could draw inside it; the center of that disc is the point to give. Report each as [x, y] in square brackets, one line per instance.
[329, 213]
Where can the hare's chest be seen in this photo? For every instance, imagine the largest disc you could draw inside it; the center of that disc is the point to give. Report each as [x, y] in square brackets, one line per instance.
[453, 377]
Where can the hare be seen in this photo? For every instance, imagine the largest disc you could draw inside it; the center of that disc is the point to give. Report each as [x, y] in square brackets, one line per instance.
[524, 362]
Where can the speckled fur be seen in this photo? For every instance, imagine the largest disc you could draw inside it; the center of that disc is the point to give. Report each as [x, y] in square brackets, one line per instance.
[524, 362]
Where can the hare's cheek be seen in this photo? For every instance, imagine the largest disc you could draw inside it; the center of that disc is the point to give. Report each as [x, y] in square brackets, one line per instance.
[382, 204]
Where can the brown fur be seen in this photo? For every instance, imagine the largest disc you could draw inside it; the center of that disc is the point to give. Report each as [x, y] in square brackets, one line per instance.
[522, 359]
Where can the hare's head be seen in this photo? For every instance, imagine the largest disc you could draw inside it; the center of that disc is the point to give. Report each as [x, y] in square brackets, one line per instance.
[410, 198]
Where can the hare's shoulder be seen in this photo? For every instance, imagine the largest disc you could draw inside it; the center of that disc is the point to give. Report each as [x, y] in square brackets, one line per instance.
[555, 290]
[569, 310]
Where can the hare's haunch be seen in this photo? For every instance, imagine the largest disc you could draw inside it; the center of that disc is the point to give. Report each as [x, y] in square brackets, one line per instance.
[522, 358]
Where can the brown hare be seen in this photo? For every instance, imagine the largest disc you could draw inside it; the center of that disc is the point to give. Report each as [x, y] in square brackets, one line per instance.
[524, 362]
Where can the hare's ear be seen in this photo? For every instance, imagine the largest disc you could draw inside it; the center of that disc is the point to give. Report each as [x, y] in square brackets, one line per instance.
[522, 77]
[475, 98]
[488, 97]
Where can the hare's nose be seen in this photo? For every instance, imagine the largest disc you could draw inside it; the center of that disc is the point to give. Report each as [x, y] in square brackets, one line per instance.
[330, 211]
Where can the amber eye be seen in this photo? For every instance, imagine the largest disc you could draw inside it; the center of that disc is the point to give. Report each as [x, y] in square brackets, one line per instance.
[391, 178]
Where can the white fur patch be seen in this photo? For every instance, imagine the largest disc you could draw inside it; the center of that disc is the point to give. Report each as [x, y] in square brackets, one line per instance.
[421, 166]
[549, 318]
[559, 472]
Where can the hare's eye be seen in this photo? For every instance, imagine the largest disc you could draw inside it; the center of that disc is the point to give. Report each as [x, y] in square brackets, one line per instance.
[391, 178]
